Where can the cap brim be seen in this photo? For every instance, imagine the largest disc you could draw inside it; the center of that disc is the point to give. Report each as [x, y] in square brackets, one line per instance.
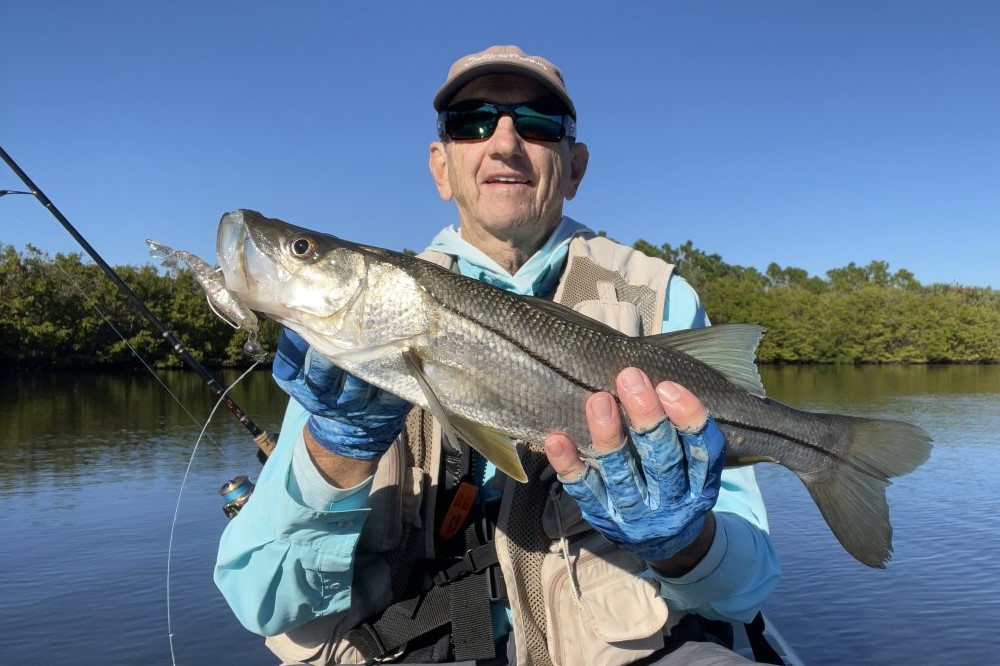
[451, 87]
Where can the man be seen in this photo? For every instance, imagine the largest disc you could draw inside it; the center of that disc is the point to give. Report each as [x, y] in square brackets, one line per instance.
[370, 536]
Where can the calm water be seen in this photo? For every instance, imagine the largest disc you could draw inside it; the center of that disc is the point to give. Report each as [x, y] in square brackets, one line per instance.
[92, 466]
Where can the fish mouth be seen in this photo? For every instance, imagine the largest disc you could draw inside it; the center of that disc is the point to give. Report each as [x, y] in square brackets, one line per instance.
[244, 265]
[229, 245]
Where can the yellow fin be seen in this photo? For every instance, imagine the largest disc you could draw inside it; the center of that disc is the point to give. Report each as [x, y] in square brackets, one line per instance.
[494, 445]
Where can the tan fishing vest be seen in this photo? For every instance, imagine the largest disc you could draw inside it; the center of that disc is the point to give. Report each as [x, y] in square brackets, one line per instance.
[575, 598]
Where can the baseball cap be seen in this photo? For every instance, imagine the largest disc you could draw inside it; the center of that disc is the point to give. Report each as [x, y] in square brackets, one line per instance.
[503, 60]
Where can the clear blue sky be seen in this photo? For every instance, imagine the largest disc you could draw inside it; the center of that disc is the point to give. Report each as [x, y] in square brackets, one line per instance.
[811, 134]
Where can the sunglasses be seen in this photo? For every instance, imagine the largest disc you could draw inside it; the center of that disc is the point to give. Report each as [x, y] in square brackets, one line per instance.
[474, 121]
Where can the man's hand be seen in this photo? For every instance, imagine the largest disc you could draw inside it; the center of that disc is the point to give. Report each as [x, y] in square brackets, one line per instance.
[350, 418]
[650, 493]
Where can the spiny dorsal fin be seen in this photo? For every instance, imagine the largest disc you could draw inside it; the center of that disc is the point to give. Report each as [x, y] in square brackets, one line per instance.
[728, 348]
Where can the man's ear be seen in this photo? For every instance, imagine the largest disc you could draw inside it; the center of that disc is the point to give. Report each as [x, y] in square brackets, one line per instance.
[578, 158]
[438, 164]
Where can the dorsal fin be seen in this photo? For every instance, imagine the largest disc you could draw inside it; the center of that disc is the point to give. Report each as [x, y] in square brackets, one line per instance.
[728, 348]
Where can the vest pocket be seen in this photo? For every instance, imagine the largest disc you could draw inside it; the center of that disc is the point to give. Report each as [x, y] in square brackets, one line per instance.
[597, 608]
[623, 316]
[387, 501]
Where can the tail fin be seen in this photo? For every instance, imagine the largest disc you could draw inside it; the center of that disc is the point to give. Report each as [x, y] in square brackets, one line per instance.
[851, 493]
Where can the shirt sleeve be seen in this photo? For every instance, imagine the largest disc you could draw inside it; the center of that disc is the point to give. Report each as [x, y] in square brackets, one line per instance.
[741, 567]
[683, 307]
[281, 562]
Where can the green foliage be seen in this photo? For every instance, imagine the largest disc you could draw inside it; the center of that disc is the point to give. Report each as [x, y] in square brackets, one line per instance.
[858, 314]
[65, 312]
[57, 313]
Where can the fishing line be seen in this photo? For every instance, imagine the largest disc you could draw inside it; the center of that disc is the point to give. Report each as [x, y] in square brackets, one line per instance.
[177, 507]
[265, 441]
[93, 304]
[107, 320]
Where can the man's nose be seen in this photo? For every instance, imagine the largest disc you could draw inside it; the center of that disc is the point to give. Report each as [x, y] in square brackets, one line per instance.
[505, 138]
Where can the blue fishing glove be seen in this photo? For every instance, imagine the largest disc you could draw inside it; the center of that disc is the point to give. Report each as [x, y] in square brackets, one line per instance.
[349, 417]
[655, 506]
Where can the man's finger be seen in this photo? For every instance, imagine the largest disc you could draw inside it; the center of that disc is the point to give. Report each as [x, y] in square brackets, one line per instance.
[639, 399]
[563, 457]
[682, 407]
[605, 423]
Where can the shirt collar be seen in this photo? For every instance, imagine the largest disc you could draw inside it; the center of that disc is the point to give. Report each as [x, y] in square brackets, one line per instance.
[537, 277]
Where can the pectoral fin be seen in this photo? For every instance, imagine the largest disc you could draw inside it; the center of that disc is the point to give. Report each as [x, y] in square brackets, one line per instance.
[495, 446]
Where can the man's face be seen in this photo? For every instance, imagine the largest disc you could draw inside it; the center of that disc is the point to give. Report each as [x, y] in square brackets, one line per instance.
[506, 187]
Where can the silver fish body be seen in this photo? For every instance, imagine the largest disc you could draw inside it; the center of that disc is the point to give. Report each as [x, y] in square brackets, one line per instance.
[496, 368]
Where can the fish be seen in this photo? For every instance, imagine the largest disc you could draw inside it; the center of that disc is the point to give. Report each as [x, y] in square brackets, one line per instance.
[496, 368]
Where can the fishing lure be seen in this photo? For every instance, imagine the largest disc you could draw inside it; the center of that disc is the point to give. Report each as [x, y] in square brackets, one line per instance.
[222, 302]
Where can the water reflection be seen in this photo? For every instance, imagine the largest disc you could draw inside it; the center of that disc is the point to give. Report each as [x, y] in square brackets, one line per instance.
[56, 427]
[90, 476]
[942, 567]
[92, 464]
[859, 384]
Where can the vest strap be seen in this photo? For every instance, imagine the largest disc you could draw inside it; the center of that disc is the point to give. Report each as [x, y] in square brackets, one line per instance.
[400, 623]
[475, 560]
[461, 595]
[471, 620]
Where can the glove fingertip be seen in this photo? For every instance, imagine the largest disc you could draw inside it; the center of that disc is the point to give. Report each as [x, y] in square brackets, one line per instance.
[289, 355]
[289, 337]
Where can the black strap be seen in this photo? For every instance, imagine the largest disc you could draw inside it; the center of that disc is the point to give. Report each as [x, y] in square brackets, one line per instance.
[471, 621]
[400, 623]
[475, 560]
[454, 463]
[460, 595]
[763, 653]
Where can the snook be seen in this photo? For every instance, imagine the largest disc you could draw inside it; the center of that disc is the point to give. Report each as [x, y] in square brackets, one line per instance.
[495, 368]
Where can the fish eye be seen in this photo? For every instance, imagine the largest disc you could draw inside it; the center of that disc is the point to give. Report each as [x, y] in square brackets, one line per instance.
[302, 247]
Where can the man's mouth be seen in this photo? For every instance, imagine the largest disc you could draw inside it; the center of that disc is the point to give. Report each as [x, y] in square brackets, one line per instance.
[508, 180]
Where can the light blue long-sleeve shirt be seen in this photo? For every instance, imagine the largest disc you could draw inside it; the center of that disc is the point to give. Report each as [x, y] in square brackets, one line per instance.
[289, 556]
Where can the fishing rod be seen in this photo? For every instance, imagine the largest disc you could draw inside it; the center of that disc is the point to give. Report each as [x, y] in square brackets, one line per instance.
[264, 440]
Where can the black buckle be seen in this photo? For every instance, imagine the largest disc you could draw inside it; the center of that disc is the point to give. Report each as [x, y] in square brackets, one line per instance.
[470, 563]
